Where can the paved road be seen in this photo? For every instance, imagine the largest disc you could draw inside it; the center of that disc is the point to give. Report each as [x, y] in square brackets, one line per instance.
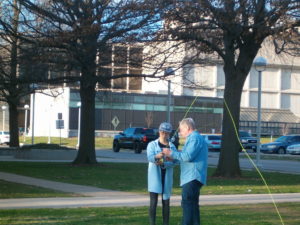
[134, 201]
[284, 166]
[107, 155]
[98, 197]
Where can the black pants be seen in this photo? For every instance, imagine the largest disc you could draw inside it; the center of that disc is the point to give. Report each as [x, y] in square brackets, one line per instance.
[165, 204]
[152, 209]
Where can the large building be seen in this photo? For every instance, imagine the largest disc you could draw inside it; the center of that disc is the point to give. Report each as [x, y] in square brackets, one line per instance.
[117, 111]
[138, 101]
[280, 81]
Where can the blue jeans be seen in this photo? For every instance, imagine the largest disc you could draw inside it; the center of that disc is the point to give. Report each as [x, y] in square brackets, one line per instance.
[190, 203]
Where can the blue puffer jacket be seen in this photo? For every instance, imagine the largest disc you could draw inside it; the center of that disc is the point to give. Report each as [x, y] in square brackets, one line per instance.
[154, 171]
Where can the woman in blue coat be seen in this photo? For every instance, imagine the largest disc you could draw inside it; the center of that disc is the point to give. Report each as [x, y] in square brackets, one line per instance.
[160, 173]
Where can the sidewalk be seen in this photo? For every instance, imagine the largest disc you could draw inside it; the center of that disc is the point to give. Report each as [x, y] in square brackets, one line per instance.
[98, 197]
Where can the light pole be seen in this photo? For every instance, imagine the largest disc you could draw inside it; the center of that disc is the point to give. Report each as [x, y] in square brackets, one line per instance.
[260, 64]
[169, 102]
[3, 112]
[33, 87]
[49, 125]
[26, 107]
[79, 109]
[169, 71]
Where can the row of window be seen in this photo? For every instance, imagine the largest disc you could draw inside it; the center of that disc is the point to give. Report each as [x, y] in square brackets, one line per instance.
[107, 100]
[284, 79]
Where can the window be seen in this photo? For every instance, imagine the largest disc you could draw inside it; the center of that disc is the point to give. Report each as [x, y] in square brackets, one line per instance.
[160, 101]
[135, 83]
[105, 56]
[105, 73]
[120, 83]
[296, 139]
[270, 75]
[285, 101]
[122, 66]
[129, 131]
[120, 56]
[285, 79]
[139, 131]
[214, 137]
[295, 80]
[135, 57]
[139, 99]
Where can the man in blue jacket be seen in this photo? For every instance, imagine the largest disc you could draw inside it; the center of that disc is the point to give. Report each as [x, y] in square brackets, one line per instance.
[193, 166]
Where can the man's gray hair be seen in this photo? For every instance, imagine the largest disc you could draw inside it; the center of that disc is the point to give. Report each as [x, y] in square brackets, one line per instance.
[189, 122]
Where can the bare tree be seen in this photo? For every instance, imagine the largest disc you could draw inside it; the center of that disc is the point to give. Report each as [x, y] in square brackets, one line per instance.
[10, 92]
[21, 64]
[234, 32]
[83, 30]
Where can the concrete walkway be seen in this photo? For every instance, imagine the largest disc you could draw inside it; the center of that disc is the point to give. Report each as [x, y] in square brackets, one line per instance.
[98, 197]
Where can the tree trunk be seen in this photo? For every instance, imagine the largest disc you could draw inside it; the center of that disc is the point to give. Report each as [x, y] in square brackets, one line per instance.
[86, 153]
[228, 165]
[13, 125]
[13, 100]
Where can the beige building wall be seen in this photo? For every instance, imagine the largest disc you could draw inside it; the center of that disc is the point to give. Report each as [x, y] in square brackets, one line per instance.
[280, 80]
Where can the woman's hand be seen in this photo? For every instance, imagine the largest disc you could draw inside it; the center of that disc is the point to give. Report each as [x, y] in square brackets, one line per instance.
[159, 159]
[159, 155]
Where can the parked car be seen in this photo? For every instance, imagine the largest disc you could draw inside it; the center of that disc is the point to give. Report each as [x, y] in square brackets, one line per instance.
[4, 137]
[213, 141]
[247, 140]
[280, 145]
[293, 149]
[136, 138]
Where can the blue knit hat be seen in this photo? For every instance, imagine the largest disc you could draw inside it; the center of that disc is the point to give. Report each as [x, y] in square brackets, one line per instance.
[166, 127]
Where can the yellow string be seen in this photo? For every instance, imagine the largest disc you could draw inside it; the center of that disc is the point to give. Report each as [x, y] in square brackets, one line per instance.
[191, 105]
[257, 169]
[244, 150]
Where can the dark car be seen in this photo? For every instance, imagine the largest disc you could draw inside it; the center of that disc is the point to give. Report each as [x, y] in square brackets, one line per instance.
[247, 140]
[280, 145]
[136, 138]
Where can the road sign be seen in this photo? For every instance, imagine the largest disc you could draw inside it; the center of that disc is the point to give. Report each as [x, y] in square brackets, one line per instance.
[59, 124]
[115, 122]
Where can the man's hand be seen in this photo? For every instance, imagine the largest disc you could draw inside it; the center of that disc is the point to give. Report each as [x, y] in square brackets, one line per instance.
[167, 152]
[169, 158]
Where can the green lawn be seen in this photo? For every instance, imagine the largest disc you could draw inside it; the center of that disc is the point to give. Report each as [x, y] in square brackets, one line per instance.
[272, 157]
[256, 214]
[133, 177]
[14, 190]
[100, 142]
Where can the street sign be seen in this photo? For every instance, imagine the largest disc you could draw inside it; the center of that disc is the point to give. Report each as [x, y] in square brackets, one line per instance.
[115, 122]
[59, 124]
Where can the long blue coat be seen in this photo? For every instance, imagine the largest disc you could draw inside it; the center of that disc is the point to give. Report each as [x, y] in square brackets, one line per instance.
[154, 171]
